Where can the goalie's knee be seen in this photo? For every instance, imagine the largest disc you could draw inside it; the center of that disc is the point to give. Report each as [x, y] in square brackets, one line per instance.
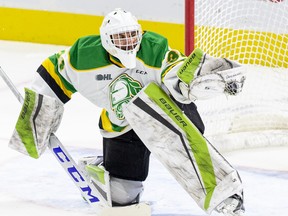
[120, 191]
[125, 192]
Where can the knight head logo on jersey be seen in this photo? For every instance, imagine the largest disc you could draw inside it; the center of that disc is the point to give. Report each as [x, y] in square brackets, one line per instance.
[122, 90]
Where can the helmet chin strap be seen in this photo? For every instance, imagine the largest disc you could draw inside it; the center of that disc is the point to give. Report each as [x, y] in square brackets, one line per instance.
[128, 60]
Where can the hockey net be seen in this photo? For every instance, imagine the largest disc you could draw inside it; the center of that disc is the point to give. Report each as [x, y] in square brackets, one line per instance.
[254, 33]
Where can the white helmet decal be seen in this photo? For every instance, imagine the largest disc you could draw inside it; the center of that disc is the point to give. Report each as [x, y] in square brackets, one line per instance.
[121, 36]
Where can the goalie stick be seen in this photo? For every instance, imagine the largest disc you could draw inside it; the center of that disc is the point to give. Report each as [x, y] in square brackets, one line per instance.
[89, 190]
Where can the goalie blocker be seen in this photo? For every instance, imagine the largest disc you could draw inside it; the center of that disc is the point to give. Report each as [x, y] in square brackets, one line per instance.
[40, 116]
[173, 139]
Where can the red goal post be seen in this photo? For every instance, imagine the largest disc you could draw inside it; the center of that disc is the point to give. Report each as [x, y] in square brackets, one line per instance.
[189, 26]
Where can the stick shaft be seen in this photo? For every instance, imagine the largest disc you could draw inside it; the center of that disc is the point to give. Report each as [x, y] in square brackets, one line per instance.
[11, 86]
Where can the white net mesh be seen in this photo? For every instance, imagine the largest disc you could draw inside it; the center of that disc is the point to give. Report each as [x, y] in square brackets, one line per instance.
[249, 31]
[253, 32]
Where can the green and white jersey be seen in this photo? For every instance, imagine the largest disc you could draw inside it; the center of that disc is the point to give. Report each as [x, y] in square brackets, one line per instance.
[87, 68]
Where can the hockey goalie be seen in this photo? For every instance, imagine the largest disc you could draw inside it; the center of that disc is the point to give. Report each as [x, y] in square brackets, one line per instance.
[147, 91]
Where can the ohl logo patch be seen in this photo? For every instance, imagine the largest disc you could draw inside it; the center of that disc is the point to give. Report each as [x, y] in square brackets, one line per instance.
[100, 77]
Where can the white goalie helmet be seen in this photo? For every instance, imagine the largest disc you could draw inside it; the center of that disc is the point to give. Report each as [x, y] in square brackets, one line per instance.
[121, 36]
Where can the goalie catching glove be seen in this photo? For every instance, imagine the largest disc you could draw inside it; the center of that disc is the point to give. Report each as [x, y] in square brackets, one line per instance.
[202, 76]
[40, 116]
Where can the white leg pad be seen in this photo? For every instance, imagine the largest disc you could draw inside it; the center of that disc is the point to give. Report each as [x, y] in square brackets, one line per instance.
[173, 139]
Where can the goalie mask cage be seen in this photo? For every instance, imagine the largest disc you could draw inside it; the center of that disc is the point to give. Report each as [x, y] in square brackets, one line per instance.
[254, 33]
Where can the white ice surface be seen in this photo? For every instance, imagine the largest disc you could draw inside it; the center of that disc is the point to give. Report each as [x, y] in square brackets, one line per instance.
[40, 187]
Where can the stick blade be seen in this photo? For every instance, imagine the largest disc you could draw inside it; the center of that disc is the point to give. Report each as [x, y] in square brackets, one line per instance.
[141, 209]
